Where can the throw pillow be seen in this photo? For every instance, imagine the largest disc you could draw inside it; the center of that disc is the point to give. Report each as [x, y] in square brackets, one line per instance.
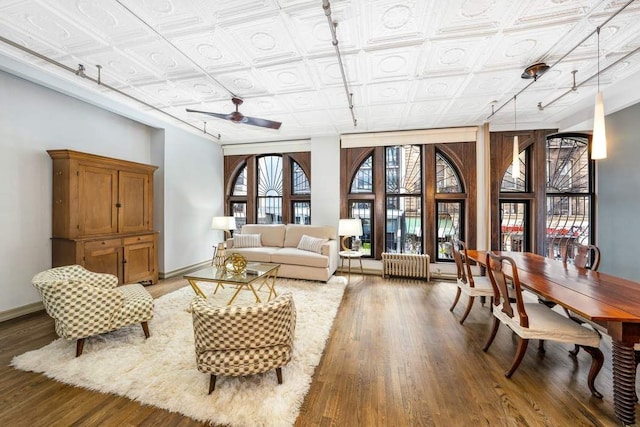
[311, 244]
[246, 241]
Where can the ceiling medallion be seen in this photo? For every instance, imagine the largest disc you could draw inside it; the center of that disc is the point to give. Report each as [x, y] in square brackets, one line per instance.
[535, 70]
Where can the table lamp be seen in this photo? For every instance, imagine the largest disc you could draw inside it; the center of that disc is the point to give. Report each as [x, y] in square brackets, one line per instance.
[225, 223]
[349, 227]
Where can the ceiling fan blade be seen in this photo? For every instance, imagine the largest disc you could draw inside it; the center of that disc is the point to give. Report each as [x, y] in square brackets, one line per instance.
[218, 115]
[261, 122]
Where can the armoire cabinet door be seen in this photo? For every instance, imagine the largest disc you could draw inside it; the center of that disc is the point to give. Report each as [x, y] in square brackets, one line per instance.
[134, 210]
[98, 197]
[104, 256]
[140, 259]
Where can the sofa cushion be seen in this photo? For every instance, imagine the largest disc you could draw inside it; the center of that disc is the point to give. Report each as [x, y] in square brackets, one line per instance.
[246, 241]
[270, 234]
[294, 256]
[262, 254]
[311, 244]
[296, 231]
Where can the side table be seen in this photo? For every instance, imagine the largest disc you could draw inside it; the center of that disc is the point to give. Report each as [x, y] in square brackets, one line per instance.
[350, 255]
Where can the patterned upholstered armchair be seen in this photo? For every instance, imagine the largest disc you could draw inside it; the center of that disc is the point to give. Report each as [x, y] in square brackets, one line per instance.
[243, 340]
[84, 303]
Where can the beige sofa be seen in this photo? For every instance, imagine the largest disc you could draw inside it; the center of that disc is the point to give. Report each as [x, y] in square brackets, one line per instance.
[278, 244]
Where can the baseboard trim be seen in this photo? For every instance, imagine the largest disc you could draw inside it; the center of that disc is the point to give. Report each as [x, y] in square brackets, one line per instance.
[21, 311]
[184, 270]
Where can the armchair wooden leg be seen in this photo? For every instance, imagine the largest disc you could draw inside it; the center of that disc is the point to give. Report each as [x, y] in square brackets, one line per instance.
[79, 346]
[455, 299]
[468, 310]
[494, 331]
[279, 375]
[597, 360]
[522, 348]
[212, 383]
[576, 349]
[145, 328]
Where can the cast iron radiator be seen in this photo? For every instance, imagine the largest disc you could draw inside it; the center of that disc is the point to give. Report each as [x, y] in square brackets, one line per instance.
[405, 265]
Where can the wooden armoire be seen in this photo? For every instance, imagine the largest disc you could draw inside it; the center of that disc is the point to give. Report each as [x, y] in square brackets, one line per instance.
[103, 216]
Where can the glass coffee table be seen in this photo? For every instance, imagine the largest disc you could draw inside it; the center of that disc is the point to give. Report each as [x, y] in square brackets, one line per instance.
[260, 273]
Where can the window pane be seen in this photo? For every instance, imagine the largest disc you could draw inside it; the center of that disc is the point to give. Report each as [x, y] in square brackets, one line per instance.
[269, 190]
[448, 228]
[509, 184]
[300, 182]
[239, 211]
[404, 225]
[270, 176]
[240, 186]
[403, 169]
[302, 212]
[567, 223]
[447, 180]
[568, 193]
[567, 165]
[363, 179]
[364, 211]
[269, 210]
[513, 222]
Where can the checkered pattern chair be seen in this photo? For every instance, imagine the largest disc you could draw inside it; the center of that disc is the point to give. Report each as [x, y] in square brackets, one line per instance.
[84, 303]
[243, 340]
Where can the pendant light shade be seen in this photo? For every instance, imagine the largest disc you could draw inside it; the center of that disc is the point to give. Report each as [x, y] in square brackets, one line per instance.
[515, 166]
[599, 140]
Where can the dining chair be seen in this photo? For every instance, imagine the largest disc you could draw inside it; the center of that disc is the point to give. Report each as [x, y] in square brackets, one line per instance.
[584, 256]
[535, 321]
[473, 286]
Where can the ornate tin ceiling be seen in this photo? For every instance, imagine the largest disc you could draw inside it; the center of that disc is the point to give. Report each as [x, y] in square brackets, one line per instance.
[409, 64]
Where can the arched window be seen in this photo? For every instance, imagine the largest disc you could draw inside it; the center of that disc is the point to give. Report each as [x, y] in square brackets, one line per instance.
[269, 189]
[411, 198]
[515, 207]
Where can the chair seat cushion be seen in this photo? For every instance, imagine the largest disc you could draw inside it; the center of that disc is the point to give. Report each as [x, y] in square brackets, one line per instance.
[243, 361]
[137, 306]
[482, 287]
[546, 324]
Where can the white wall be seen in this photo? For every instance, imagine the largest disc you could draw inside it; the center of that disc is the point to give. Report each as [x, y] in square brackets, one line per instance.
[192, 196]
[325, 180]
[618, 204]
[34, 119]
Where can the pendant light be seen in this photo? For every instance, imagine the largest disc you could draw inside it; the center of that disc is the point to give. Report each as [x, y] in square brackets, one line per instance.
[515, 163]
[599, 139]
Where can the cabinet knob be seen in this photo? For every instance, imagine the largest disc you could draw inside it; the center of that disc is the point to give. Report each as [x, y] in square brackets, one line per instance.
[58, 172]
[59, 201]
[118, 205]
[104, 243]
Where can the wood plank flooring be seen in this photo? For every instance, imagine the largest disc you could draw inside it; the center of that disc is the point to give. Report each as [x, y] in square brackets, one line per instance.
[396, 357]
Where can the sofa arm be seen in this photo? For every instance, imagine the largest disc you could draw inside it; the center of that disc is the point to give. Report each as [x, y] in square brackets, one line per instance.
[229, 242]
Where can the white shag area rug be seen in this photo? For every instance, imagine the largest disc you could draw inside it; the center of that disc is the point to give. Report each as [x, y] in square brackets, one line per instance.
[161, 371]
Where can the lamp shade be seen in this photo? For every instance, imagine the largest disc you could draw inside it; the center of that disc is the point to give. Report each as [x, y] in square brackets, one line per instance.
[225, 223]
[350, 227]
[599, 140]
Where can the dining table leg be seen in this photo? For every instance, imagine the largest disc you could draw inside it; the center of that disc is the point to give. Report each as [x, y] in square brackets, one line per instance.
[624, 382]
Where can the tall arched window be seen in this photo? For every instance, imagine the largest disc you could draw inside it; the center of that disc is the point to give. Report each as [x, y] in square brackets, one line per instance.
[360, 204]
[570, 193]
[450, 197]
[403, 165]
[269, 197]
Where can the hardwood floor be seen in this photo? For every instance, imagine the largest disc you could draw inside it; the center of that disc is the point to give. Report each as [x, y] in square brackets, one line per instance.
[396, 357]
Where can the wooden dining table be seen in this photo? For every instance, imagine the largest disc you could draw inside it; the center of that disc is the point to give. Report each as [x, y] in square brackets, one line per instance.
[609, 301]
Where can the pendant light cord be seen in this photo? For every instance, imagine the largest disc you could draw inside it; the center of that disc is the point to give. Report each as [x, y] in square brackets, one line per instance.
[598, 54]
